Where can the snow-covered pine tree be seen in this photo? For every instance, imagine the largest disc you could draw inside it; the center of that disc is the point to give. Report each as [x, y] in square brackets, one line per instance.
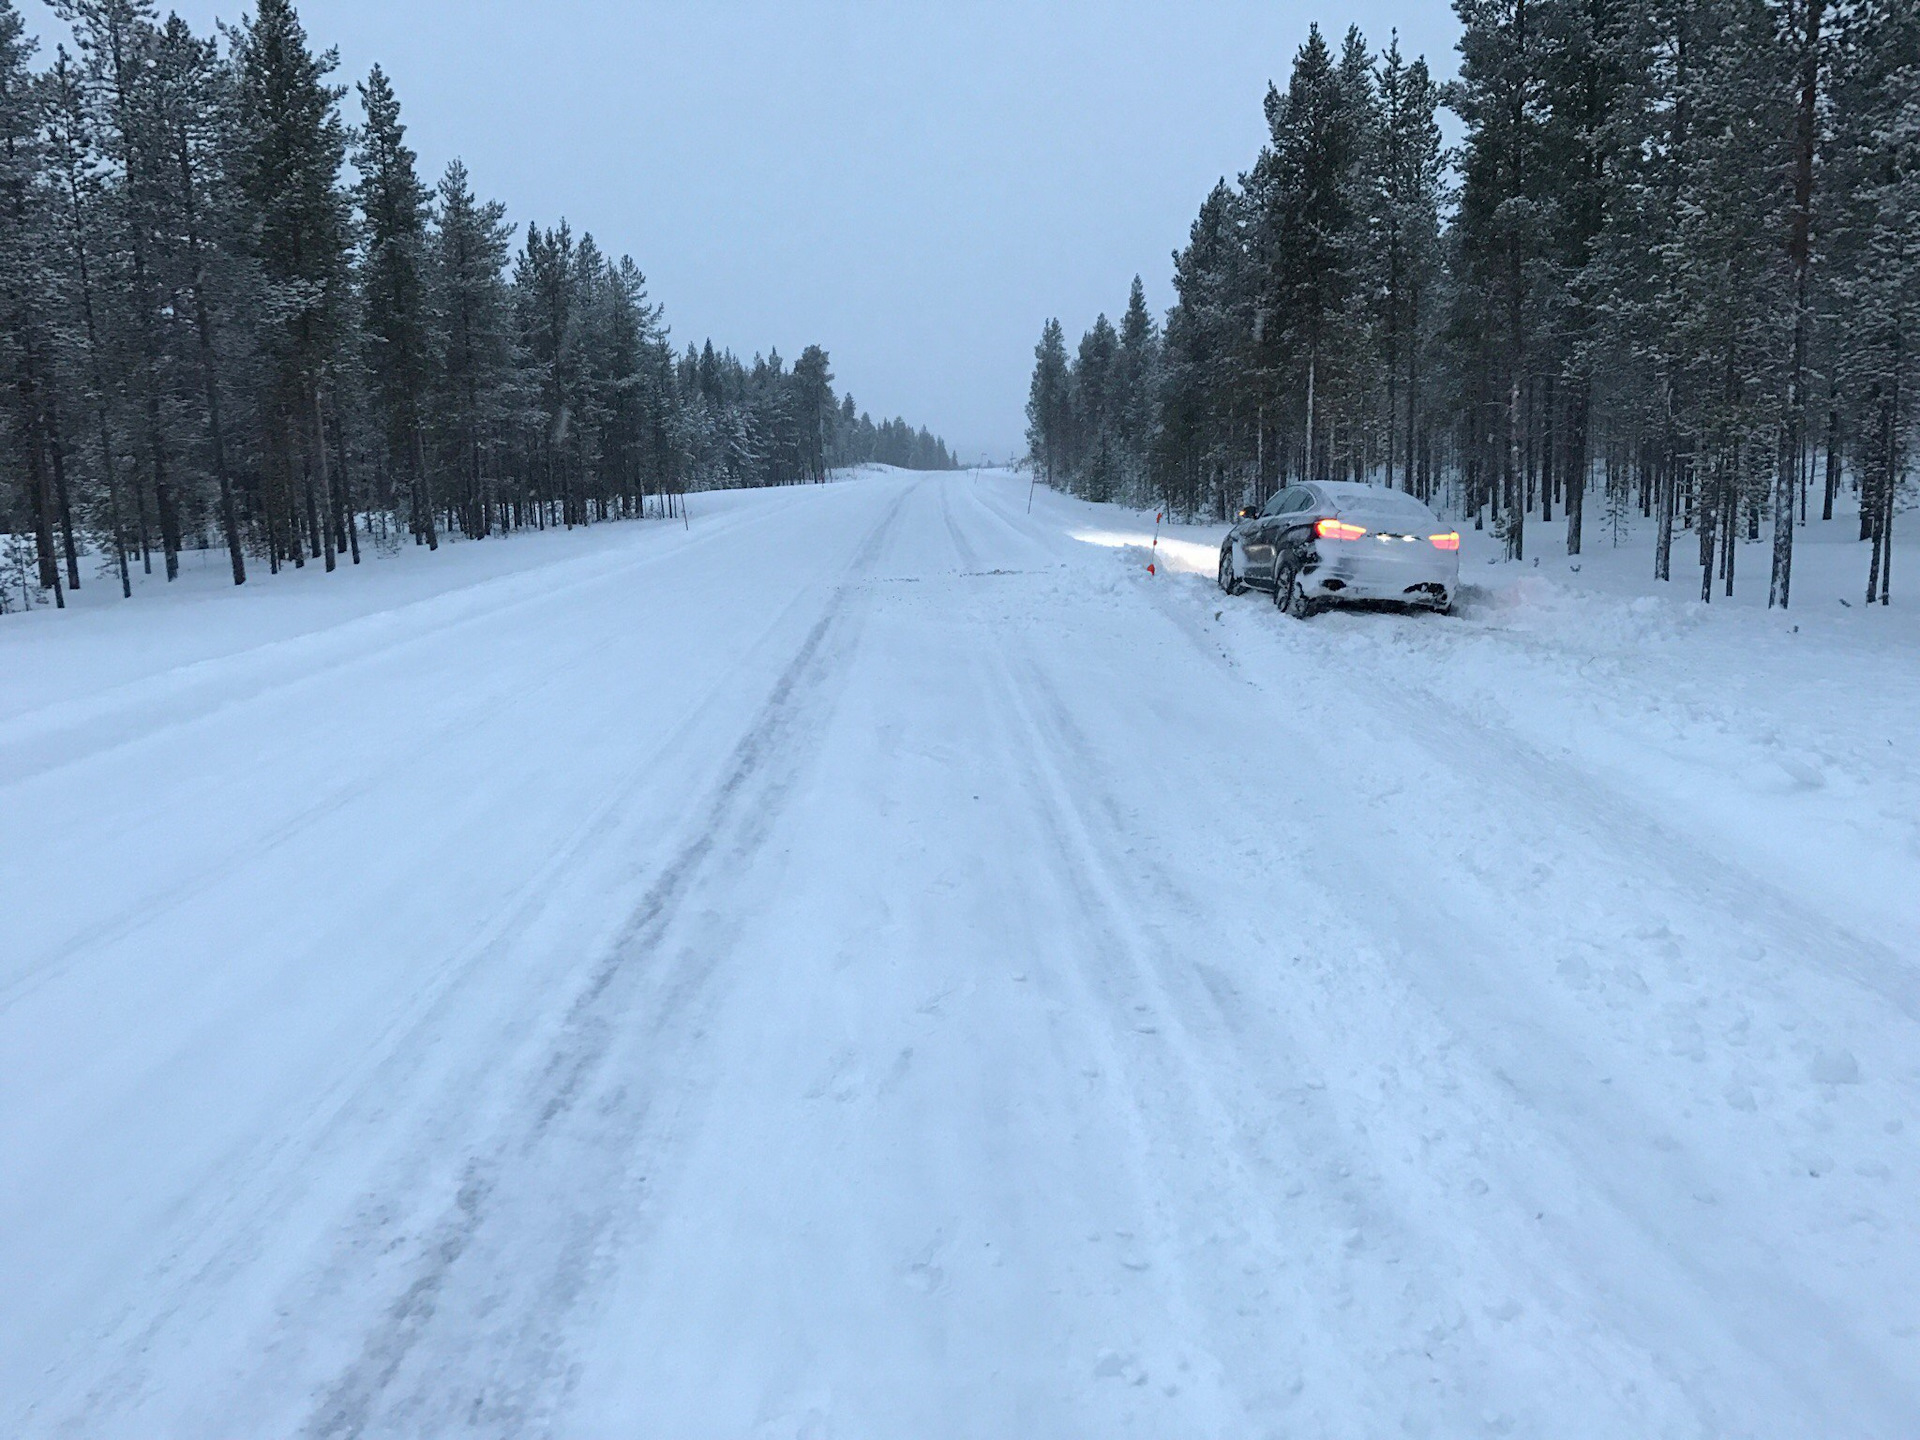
[1049, 404]
[472, 363]
[813, 409]
[1877, 154]
[1136, 385]
[26, 279]
[1408, 180]
[293, 144]
[189, 89]
[393, 278]
[74, 167]
[1095, 391]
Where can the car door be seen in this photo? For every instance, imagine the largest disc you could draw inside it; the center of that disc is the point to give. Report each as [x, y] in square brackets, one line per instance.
[1260, 537]
[1292, 526]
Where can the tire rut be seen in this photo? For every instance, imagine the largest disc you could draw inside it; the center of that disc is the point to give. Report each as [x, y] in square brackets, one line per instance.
[654, 969]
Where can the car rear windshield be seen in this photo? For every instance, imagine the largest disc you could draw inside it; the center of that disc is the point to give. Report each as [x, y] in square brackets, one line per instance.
[1383, 506]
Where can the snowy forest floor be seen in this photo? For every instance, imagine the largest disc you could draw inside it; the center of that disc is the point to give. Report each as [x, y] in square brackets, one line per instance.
[877, 963]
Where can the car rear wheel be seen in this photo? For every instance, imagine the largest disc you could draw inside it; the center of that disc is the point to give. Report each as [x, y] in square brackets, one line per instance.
[1290, 595]
[1229, 581]
[1283, 583]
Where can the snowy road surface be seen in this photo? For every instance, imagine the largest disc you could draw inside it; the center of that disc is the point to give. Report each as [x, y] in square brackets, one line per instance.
[878, 964]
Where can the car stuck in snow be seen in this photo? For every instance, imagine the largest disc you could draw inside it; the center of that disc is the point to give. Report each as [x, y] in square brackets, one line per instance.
[1338, 542]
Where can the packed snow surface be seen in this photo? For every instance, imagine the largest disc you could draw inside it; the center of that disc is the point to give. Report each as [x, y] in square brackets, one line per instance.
[878, 963]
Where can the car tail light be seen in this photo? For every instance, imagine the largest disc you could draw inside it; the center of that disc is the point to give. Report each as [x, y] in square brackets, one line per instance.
[1448, 541]
[1338, 530]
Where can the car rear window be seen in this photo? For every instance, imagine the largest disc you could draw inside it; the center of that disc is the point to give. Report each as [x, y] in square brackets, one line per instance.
[1384, 505]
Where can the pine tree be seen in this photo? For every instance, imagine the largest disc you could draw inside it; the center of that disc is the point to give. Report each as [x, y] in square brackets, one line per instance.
[813, 407]
[118, 40]
[1096, 401]
[1497, 94]
[1408, 205]
[1209, 357]
[544, 291]
[1879, 160]
[73, 162]
[189, 86]
[472, 366]
[393, 204]
[1136, 392]
[1049, 403]
[293, 147]
[24, 275]
[1305, 188]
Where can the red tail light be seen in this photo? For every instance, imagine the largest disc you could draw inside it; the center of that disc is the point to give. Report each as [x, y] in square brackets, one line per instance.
[1338, 530]
[1448, 541]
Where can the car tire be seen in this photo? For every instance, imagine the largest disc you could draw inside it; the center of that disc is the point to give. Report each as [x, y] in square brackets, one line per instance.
[1231, 583]
[1289, 595]
[1283, 583]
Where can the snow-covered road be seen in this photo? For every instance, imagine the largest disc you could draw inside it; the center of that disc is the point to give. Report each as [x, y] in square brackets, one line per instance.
[878, 964]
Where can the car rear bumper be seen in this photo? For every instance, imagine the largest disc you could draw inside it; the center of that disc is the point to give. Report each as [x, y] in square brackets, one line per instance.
[1409, 576]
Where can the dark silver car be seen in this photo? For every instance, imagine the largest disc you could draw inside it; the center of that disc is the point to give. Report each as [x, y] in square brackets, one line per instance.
[1335, 542]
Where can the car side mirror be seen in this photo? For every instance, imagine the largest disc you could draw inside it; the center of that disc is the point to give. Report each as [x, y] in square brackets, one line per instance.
[1247, 512]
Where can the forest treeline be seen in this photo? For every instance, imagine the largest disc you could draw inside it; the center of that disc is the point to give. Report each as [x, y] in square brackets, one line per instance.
[233, 315]
[1672, 266]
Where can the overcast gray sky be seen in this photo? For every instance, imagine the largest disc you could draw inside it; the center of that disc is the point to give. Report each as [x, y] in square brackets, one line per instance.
[914, 186]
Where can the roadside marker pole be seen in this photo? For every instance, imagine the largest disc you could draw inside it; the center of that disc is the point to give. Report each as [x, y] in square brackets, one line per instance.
[1156, 542]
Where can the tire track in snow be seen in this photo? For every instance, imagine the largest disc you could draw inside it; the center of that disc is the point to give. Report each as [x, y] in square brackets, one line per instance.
[1205, 1014]
[1225, 1233]
[969, 559]
[70, 732]
[1602, 815]
[222, 1231]
[733, 824]
[1267, 1300]
[1683, 1277]
[180, 891]
[410, 1035]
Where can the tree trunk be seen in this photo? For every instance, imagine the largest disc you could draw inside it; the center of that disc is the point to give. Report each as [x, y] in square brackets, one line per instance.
[1666, 479]
[63, 502]
[350, 530]
[422, 489]
[1549, 472]
[1799, 251]
[1515, 500]
[1578, 400]
[1832, 491]
[325, 486]
[210, 369]
[102, 412]
[39, 489]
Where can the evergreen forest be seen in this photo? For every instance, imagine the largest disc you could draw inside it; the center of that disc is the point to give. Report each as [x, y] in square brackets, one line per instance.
[235, 317]
[1666, 286]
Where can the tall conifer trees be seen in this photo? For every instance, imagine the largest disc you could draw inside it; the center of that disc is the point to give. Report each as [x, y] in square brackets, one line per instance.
[393, 286]
[216, 333]
[1676, 261]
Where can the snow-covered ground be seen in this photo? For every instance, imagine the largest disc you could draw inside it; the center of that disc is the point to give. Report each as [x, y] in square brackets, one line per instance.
[876, 963]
